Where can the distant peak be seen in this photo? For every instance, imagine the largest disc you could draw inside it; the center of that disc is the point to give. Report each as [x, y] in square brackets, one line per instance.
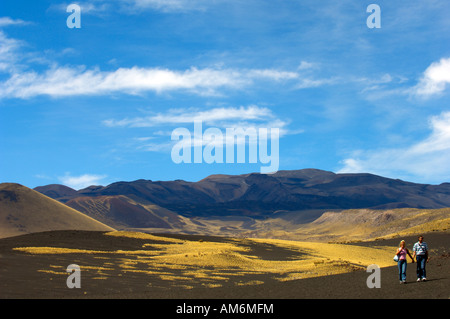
[215, 177]
[304, 173]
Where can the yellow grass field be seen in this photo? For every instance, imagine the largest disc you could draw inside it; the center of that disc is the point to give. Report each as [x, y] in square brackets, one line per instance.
[211, 263]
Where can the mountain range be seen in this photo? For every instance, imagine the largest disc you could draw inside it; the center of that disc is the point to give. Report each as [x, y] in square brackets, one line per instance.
[304, 204]
[303, 195]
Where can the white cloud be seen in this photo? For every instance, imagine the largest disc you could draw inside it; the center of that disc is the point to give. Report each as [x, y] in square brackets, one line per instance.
[100, 7]
[184, 116]
[426, 160]
[435, 78]
[272, 74]
[160, 4]
[8, 52]
[313, 83]
[68, 81]
[168, 5]
[251, 117]
[80, 182]
[14, 57]
[305, 65]
[7, 21]
[439, 140]
[222, 117]
[65, 81]
[90, 8]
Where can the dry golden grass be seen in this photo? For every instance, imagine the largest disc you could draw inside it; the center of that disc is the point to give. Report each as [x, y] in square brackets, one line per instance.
[249, 283]
[210, 264]
[366, 225]
[139, 235]
[57, 251]
[349, 225]
[52, 272]
[432, 226]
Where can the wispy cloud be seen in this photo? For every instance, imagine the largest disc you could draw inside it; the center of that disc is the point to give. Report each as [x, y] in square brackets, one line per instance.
[222, 117]
[432, 82]
[80, 182]
[184, 116]
[168, 5]
[8, 53]
[426, 160]
[250, 117]
[65, 81]
[99, 7]
[7, 21]
[161, 4]
[70, 81]
[90, 8]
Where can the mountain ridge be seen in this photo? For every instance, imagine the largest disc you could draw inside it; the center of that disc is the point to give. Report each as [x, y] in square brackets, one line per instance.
[301, 195]
[298, 189]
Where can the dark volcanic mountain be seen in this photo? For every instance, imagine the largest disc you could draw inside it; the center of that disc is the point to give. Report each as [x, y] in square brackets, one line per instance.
[56, 191]
[252, 195]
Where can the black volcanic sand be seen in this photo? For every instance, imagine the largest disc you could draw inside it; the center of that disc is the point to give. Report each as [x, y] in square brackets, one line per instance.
[20, 276]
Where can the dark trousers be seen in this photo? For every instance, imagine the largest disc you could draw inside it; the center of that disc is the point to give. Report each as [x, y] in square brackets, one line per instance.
[421, 263]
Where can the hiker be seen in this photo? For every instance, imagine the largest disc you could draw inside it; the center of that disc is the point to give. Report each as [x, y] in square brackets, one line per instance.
[420, 250]
[401, 253]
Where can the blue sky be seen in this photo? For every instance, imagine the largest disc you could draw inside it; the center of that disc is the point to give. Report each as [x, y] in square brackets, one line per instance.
[98, 104]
